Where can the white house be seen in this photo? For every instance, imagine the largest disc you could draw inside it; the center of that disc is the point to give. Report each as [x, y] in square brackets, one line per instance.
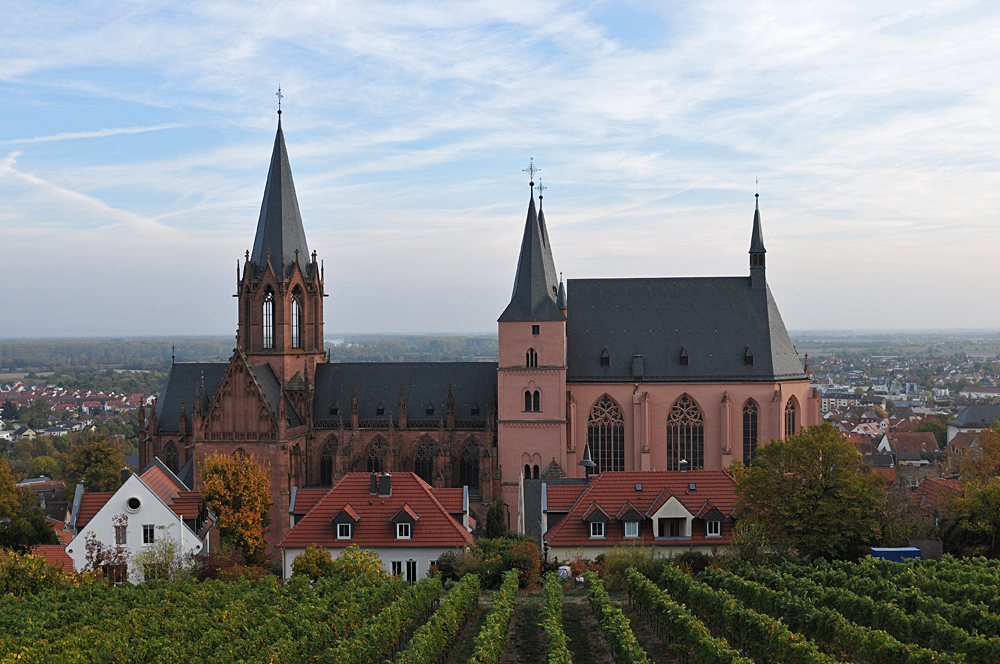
[146, 509]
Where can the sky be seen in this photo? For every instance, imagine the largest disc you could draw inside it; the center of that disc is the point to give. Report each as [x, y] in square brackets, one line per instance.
[137, 136]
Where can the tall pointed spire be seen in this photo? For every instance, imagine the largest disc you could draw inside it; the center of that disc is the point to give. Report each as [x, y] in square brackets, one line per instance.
[279, 227]
[535, 285]
[757, 250]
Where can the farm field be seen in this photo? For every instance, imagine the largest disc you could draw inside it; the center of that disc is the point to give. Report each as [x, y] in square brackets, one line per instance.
[869, 612]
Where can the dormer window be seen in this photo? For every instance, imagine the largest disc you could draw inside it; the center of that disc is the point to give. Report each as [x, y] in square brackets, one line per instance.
[475, 410]
[343, 531]
[631, 529]
[684, 359]
[380, 410]
[596, 529]
[713, 529]
[404, 531]
[335, 409]
[430, 409]
[748, 357]
[605, 358]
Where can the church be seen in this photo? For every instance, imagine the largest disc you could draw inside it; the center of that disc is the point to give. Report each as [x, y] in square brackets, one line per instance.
[593, 375]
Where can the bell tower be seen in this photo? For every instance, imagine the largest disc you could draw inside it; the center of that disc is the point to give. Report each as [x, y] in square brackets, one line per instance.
[280, 288]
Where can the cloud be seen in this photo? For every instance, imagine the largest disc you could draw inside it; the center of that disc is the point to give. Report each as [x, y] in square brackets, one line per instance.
[100, 133]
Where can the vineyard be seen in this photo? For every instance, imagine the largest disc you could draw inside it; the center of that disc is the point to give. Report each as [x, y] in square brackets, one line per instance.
[867, 613]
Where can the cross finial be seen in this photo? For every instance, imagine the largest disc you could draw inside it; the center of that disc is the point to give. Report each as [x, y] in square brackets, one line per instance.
[541, 187]
[280, 97]
[756, 181]
[531, 170]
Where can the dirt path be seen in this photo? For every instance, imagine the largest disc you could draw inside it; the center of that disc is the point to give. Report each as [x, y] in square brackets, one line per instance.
[586, 638]
[655, 646]
[525, 638]
[466, 643]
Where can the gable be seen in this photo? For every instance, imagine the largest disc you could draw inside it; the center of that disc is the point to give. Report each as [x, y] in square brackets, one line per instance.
[240, 406]
[672, 509]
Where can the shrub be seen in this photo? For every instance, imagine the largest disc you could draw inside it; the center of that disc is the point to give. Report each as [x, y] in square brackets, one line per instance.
[25, 573]
[215, 564]
[692, 561]
[616, 562]
[315, 562]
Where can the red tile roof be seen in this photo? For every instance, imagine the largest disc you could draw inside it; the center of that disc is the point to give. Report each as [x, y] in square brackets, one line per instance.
[187, 504]
[450, 498]
[561, 497]
[611, 491]
[961, 441]
[888, 473]
[922, 441]
[306, 499]
[90, 505]
[374, 527]
[64, 534]
[55, 555]
[160, 484]
[933, 493]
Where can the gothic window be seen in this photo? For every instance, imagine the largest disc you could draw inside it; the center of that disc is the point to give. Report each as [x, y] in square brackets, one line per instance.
[527, 471]
[531, 358]
[749, 432]
[606, 435]
[240, 453]
[326, 462]
[423, 460]
[532, 401]
[790, 417]
[297, 318]
[376, 455]
[685, 435]
[170, 457]
[534, 472]
[527, 401]
[468, 465]
[268, 318]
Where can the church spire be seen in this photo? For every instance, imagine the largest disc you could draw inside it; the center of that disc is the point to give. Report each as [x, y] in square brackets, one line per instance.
[535, 285]
[757, 250]
[279, 227]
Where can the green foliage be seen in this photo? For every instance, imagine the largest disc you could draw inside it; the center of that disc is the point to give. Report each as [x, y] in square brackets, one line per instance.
[496, 519]
[96, 464]
[811, 491]
[492, 637]
[556, 651]
[314, 563]
[432, 639]
[687, 632]
[25, 574]
[616, 562]
[351, 563]
[10, 411]
[38, 414]
[413, 349]
[22, 522]
[936, 425]
[163, 559]
[491, 558]
[617, 628]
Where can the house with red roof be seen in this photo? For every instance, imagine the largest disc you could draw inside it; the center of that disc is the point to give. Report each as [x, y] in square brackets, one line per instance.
[931, 497]
[674, 511]
[404, 520]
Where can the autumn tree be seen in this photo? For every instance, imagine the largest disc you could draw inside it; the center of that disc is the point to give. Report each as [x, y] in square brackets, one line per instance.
[96, 464]
[237, 489]
[812, 493]
[496, 519]
[22, 522]
[972, 524]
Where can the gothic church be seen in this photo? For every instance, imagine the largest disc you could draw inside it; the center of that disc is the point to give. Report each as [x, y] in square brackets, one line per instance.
[620, 374]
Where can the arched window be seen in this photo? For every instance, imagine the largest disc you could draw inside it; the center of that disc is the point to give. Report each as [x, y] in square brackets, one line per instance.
[685, 435]
[531, 358]
[326, 461]
[170, 456]
[297, 464]
[790, 417]
[536, 401]
[527, 401]
[240, 453]
[297, 318]
[468, 465]
[534, 472]
[527, 471]
[423, 460]
[377, 450]
[749, 432]
[268, 318]
[606, 435]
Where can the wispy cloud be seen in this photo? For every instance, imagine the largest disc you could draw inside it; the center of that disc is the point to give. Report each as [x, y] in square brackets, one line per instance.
[100, 133]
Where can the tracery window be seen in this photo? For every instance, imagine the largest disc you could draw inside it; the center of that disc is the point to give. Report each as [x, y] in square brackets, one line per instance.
[240, 453]
[377, 450]
[468, 465]
[297, 318]
[685, 435]
[532, 401]
[423, 460]
[170, 456]
[268, 318]
[790, 417]
[749, 432]
[531, 358]
[606, 435]
[326, 462]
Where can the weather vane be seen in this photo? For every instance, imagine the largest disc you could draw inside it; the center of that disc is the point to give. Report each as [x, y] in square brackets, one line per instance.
[280, 97]
[531, 170]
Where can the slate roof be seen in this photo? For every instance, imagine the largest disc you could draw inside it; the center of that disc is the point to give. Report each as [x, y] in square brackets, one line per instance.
[181, 385]
[535, 284]
[714, 319]
[374, 528]
[612, 490]
[423, 383]
[279, 227]
[977, 416]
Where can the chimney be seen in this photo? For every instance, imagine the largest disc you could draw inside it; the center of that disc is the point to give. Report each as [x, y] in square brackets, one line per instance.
[384, 485]
[125, 475]
[684, 465]
[373, 487]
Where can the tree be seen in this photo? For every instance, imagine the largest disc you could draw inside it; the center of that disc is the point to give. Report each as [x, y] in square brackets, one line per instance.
[936, 425]
[812, 492]
[973, 524]
[10, 411]
[237, 489]
[22, 522]
[96, 464]
[496, 521]
[163, 559]
[37, 414]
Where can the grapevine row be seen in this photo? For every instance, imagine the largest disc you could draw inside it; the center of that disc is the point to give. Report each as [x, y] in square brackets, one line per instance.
[616, 626]
[556, 651]
[687, 631]
[838, 635]
[431, 641]
[492, 637]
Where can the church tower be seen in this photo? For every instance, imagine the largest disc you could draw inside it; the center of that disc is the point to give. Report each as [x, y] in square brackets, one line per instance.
[757, 251]
[280, 290]
[532, 364]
